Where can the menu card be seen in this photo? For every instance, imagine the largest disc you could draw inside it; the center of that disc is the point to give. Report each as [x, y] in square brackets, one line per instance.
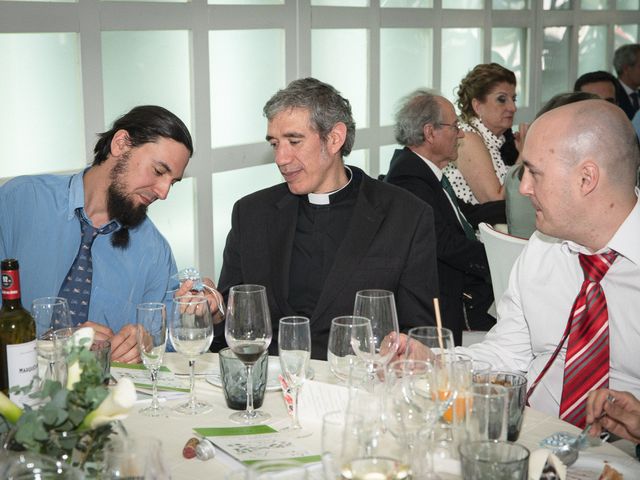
[260, 442]
[139, 375]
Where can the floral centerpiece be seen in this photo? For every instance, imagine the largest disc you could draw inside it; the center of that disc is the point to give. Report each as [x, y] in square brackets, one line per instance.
[71, 422]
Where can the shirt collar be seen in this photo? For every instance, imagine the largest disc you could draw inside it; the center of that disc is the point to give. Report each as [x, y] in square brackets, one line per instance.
[325, 198]
[624, 241]
[486, 134]
[627, 88]
[436, 171]
[76, 193]
[76, 200]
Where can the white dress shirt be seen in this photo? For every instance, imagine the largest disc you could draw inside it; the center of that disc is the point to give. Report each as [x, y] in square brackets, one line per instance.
[438, 173]
[533, 313]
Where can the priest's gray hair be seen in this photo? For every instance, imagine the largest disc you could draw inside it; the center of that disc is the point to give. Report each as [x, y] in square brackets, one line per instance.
[325, 104]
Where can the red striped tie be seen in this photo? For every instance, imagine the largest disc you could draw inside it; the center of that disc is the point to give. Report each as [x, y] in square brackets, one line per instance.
[586, 365]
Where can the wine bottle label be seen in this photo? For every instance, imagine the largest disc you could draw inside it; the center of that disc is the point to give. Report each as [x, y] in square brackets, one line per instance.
[10, 285]
[22, 366]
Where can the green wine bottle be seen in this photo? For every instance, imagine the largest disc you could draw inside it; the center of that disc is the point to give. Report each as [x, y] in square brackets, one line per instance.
[18, 358]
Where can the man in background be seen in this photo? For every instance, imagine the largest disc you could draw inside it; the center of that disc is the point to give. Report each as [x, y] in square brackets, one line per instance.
[86, 237]
[329, 230]
[626, 61]
[427, 126]
[600, 83]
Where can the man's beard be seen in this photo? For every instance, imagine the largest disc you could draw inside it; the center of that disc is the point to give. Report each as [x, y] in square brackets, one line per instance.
[120, 207]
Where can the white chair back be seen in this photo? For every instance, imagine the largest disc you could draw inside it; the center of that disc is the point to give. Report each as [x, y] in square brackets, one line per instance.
[502, 251]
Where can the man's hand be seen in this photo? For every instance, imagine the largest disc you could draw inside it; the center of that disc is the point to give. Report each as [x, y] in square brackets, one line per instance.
[214, 298]
[124, 346]
[407, 348]
[617, 412]
[102, 332]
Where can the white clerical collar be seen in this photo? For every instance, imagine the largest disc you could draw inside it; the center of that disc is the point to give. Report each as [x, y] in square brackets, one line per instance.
[324, 198]
[436, 171]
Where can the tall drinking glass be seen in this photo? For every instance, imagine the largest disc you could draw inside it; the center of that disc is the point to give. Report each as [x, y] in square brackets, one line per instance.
[294, 350]
[248, 333]
[345, 332]
[50, 314]
[151, 337]
[379, 307]
[191, 332]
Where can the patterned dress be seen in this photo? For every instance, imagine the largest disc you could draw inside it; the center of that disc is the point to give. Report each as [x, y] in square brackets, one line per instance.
[493, 144]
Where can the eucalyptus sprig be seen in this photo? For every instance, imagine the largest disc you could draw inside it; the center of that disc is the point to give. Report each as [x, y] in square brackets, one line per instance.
[61, 423]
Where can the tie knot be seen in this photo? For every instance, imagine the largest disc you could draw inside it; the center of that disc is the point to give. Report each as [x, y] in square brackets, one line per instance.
[595, 267]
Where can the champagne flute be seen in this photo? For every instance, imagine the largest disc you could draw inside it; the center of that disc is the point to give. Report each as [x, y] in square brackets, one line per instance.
[247, 330]
[151, 337]
[294, 349]
[49, 314]
[191, 333]
[379, 307]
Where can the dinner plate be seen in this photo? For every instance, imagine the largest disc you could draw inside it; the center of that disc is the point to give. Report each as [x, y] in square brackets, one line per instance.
[589, 466]
[273, 384]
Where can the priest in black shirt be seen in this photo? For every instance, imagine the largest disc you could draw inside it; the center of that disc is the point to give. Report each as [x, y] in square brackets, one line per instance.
[329, 230]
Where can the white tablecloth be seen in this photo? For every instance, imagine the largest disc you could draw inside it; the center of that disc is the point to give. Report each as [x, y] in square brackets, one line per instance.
[174, 429]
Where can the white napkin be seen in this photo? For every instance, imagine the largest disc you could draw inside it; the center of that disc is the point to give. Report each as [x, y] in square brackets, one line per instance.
[539, 458]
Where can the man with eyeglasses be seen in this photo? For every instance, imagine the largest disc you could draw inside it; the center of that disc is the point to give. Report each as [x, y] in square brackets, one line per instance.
[427, 126]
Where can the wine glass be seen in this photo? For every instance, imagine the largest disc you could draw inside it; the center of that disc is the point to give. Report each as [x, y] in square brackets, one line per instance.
[247, 330]
[345, 332]
[151, 336]
[50, 314]
[191, 333]
[379, 307]
[412, 405]
[294, 350]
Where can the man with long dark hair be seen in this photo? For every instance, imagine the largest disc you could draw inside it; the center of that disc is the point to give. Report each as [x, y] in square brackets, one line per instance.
[87, 238]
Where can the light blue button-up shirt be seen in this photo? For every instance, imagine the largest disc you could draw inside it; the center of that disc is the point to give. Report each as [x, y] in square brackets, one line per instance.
[38, 226]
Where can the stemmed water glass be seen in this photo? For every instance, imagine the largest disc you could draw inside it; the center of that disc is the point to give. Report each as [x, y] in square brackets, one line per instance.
[191, 333]
[379, 307]
[294, 350]
[247, 331]
[151, 337]
[50, 314]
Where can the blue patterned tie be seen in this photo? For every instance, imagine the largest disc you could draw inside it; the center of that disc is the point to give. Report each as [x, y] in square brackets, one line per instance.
[76, 287]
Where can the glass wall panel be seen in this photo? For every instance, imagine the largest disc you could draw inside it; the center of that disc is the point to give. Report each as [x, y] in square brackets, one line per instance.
[592, 51]
[467, 45]
[406, 3]
[360, 159]
[386, 154]
[623, 34]
[510, 4]
[594, 4]
[175, 217]
[247, 68]
[229, 187]
[150, 67]
[339, 57]
[406, 50]
[628, 4]
[41, 119]
[242, 2]
[556, 4]
[509, 49]
[340, 3]
[156, 1]
[555, 61]
[463, 4]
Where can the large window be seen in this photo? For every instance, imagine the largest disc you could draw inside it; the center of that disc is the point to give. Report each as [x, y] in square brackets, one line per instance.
[70, 67]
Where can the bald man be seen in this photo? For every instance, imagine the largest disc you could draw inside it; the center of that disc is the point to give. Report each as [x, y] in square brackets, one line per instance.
[581, 162]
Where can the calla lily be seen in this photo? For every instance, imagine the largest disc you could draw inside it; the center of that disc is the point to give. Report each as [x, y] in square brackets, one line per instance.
[9, 410]
[115, 407]
[78, 338]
